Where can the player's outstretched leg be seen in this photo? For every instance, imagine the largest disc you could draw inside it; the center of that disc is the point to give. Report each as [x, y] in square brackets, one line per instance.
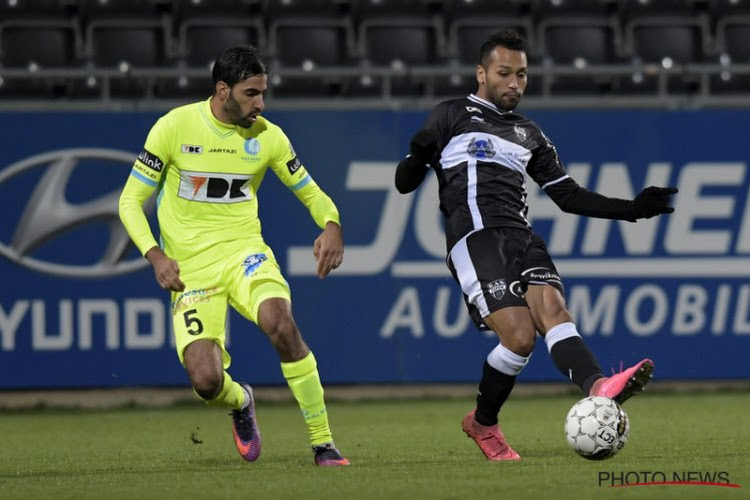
[490, 439]
[626, 384]
[304, 381]
[245, 427]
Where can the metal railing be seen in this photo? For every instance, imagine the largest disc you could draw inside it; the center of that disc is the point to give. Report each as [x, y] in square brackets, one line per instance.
[701, 95]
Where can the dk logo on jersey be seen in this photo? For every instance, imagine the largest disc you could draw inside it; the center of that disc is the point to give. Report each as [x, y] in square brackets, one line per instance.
[214, 187]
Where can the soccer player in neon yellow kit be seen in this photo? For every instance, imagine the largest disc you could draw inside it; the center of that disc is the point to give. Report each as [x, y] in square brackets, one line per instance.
[207, 160]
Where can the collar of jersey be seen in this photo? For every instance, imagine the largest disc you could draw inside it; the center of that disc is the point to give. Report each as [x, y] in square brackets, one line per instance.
[220, 128]
[486, 103]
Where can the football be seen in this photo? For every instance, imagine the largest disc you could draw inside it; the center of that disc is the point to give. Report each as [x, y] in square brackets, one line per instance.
[597, 428]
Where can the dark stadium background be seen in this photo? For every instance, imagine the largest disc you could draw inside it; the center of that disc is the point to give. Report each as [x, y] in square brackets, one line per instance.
[638, 88]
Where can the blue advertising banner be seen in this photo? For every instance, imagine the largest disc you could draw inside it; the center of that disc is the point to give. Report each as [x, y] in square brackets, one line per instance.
[80, 308]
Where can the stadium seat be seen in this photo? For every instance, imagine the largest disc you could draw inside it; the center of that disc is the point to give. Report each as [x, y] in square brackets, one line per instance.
[733, 38]
[732, 47]
[681, 39]
[370, 9]
[587, 8]
[580, 42]
[202, 39]
[595, 40]
[204, 28]
[28, 88]
[466, 35]
[46, 43]
[668, 41]
[314, 41]
[725, 8]
[365, 85]
[36, 9]
[332, 9]
[136, 42]
[630, 9]
[93, 10]
[184, 87]
[457, 9]
[455, 85]
[37, 44]
[305, 86]
[127, 44]
[408, 32]
[384, 41]
[184, 9]
[729, 82]
[408, 48]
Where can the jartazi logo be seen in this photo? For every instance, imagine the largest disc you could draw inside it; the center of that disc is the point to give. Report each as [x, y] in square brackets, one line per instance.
[48, 214]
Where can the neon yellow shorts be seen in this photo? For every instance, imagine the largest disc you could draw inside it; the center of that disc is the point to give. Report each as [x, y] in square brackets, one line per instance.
[242, 274]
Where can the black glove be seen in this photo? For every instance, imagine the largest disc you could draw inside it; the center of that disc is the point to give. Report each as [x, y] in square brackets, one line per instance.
[423, 146]
[653, 201]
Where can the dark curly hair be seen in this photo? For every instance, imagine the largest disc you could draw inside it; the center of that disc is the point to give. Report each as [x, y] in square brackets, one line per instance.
[238, 63]
[511, 40]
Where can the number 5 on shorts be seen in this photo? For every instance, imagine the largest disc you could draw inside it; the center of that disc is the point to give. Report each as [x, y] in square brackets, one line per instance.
[193, 324]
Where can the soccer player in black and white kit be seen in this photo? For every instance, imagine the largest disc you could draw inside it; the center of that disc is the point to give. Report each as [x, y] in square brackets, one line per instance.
[482, 152]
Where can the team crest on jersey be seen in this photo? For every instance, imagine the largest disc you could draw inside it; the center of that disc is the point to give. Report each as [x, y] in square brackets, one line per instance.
[497, 288]
[253, 262]
[252, 146]
[520, 132]
[481, 148]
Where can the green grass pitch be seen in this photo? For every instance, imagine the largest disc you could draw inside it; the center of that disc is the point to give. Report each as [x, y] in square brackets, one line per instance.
[399, 449]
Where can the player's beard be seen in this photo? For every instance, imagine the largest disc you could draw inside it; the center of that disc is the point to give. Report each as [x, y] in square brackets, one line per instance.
[504, 101]
[234, 111]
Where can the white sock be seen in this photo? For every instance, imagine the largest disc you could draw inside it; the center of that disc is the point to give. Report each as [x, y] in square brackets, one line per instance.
[560, 332]
[506, 361]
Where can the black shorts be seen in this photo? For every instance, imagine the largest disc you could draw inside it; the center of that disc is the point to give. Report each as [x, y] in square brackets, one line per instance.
[494, 267]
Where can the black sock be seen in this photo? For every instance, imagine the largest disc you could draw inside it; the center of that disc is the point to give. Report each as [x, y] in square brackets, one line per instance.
[574, 359]
[494, 389]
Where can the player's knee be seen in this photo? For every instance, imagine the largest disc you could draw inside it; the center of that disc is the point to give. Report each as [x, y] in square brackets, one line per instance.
[207, 384]
[287, 339]
[551, 311]
[281, 330]
[518, 340]
[523, 344]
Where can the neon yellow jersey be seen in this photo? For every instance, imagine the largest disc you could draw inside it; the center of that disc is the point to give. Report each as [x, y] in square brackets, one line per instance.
[207, 174]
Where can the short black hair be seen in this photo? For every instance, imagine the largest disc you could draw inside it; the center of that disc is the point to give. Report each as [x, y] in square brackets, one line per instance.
[511, 40]
[238, 63]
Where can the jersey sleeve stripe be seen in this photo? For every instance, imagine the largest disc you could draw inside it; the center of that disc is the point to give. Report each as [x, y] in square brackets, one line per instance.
[143, 178]
[301, 183]
[550, 183]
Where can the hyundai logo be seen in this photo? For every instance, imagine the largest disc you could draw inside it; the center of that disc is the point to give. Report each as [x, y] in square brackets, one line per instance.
[48, 214]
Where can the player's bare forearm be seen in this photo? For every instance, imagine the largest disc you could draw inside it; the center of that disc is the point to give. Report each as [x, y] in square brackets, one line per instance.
[329, 249]
[166, 270]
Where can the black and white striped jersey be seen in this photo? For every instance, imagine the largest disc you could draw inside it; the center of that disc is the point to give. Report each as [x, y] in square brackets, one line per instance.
[484, 156]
